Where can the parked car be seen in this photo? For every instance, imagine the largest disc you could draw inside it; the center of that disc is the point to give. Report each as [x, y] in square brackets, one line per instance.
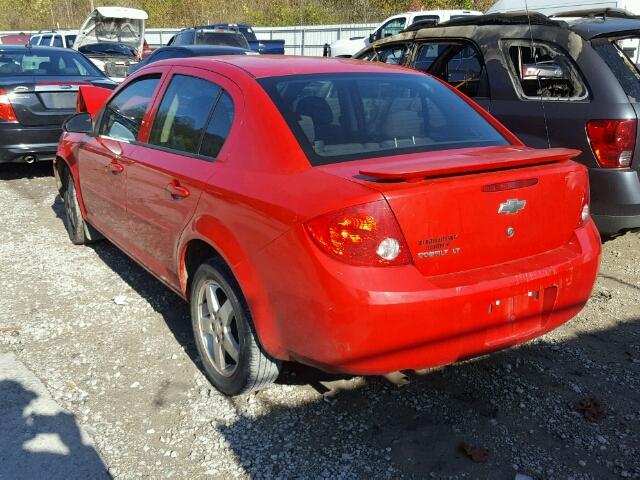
[164, 53]
[270, 47]
[38, 89]
[552, 83]
[14, 39]
[355, 217]
[54, 38]
[392, 26]
[113, 38]
[209, 36]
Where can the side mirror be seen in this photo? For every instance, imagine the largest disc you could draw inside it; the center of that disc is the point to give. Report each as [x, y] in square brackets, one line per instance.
[546, 70]
[372, 38]
[78, 123]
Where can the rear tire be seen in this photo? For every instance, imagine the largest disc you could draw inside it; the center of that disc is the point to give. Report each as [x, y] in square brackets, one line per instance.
[80, 232]
[231, 354]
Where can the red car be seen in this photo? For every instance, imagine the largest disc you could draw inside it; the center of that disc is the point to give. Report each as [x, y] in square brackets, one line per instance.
[356, 217]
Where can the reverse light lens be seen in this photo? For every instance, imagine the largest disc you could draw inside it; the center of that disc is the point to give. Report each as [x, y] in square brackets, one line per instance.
[388, 249]
[584, 215]
[365, 235]
[6, 109]
[612, 141]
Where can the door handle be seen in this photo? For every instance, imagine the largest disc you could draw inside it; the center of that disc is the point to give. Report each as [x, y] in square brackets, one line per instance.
[115, 167]
[177, 191]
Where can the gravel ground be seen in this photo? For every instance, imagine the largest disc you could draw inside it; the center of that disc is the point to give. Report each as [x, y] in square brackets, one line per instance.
[130, 375]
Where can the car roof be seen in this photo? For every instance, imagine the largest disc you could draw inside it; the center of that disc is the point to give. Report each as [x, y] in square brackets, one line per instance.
[589, 28]
[262, 66]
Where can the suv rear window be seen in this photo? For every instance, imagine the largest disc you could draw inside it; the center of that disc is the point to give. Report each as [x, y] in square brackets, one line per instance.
[621, 66]
[339, 117]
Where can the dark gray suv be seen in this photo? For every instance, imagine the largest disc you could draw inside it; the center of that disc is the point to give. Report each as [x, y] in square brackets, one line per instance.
[570, 82]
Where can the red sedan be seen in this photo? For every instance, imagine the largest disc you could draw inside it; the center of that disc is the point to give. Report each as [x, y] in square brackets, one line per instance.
[356, 217]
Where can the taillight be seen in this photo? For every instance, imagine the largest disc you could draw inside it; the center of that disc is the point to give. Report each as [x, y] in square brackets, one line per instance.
[366, 235]
[6, 109]
[612, 141]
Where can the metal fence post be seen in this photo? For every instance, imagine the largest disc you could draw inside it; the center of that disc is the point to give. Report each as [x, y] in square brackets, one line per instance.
[302, 42]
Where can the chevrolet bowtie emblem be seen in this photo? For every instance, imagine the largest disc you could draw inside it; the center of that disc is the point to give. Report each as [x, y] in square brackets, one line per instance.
[512, 206]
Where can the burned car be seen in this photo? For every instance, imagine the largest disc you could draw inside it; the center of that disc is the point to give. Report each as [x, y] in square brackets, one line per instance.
[113, 39]
[568, 81]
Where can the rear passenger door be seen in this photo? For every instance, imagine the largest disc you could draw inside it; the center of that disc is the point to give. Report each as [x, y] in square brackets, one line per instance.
[191, 120]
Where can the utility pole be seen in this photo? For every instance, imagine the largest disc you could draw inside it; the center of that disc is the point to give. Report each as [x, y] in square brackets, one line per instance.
[93, 7]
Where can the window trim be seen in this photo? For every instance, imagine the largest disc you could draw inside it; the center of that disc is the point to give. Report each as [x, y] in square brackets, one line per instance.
[507, 43]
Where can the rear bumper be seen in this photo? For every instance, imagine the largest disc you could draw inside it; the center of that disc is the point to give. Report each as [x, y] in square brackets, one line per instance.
[19, 141]
[615, 199]
[378, 320]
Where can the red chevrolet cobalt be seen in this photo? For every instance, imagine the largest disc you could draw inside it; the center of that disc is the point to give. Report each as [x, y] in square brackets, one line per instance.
[356, 217]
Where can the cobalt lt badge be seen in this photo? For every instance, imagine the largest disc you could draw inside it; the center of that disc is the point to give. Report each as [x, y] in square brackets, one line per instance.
[512, 206]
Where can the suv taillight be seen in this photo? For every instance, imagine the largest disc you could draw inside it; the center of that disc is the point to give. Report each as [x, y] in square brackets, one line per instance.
[6, 109]
[365, 235]
[612, 141]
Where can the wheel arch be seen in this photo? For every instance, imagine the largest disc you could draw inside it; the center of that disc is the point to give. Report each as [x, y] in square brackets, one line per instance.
[211, 239]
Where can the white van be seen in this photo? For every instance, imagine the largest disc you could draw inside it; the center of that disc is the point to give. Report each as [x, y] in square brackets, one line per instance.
[552, 7]
[392, 25]
[54, 38]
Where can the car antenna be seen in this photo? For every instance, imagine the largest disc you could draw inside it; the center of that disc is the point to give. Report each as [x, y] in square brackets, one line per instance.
[533, 54]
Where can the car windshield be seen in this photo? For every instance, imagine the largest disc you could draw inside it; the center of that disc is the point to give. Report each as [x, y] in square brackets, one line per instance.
[46, 62]
[349, 116]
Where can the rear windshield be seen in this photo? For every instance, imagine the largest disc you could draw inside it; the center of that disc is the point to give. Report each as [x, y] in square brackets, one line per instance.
[622, 57]
[107, 49]
[47, 62]
[350, 116]
[231, 39]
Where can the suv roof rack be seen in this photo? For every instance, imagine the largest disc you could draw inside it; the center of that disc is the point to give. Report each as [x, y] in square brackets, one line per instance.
[511, 18]
[597, 12]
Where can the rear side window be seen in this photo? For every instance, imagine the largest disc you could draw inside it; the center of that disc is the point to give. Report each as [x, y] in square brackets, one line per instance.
[57, 41]
[458, 63]
[71, 39]
[393, 54]
[46, 40]
[183, 113]
[348, 116]
[542, 70]
[219, 127]
[124, 113]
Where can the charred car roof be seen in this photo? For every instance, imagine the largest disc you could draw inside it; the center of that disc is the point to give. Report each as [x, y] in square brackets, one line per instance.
[602, 24]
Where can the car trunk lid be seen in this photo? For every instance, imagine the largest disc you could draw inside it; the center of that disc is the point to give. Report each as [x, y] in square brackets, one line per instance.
[41, 101]
[472, 208]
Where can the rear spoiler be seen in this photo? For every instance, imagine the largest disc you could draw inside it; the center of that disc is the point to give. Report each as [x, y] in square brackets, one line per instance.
[475, 161]
[91, 99]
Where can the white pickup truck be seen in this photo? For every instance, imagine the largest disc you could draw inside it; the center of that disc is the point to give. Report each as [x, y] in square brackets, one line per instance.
[391, 26]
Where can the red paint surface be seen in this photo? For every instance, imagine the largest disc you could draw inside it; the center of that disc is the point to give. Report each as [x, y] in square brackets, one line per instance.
[251, 205]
